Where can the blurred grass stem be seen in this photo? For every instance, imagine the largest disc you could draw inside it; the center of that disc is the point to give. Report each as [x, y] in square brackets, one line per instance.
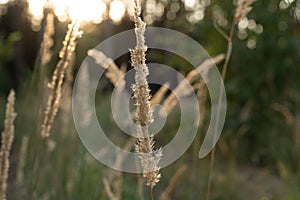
[224, 71]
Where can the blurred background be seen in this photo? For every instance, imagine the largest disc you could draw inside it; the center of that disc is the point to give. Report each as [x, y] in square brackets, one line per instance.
[258, 155]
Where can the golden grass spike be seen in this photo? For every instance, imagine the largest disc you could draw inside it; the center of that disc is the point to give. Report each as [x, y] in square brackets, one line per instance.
[7, 139]
[47, 42]
[149, 157]
[65, 55]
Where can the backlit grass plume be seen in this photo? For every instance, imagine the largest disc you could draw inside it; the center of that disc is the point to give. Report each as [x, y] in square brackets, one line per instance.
[47, 43]
[114, 73]
[149, 158]
[7, 139]
[65, 55]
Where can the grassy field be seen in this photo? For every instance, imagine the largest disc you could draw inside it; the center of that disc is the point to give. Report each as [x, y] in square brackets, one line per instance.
[255, 48]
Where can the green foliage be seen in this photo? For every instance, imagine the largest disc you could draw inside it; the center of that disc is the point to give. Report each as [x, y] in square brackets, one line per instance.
[6, 57]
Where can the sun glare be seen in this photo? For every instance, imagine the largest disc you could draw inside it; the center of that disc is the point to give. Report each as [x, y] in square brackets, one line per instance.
[189, 3]
[61, 8]
[4, 2]
[36, 8]
[80, 10]
[87, 10]
[117, 10]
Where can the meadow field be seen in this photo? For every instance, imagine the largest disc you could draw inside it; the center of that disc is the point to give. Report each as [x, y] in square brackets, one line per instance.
[67, 64]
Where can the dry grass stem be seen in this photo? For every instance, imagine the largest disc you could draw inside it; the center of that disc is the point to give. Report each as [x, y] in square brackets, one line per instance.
[84, 90]
[166, 195]
[182, 89]
[286, 113]
[129, 144]
[66, 101]
[21, 166]
[204, 66]
[297, 132]
[202, 97]
[242, 10]
[6, 143]
[114, 73]
[22, 161]
[149, 157]
[159, 95]
[108, 190]
[65, 55]
[113, 182]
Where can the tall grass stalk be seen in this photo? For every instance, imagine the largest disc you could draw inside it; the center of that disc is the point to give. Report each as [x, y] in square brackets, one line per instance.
[55, 89]
[65, 55]
[45, 50]
[21, 166]
[47, 42]
[7, 137]
[149, 158]
[242, 10]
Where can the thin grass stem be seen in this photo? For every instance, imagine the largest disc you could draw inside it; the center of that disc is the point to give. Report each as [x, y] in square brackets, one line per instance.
[224, 71]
